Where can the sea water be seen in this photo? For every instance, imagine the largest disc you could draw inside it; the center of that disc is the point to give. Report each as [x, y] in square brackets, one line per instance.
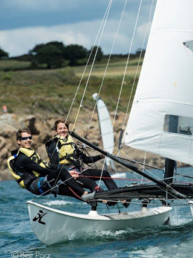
[18, 240]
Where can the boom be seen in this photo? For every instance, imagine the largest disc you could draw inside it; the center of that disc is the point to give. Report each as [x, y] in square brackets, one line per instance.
[126, 164]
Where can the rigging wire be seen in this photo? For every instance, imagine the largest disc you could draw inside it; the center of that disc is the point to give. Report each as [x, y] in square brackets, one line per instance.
[92, 65]
[141, 163]
[131, 45]
[156, 177]
[58, 184]
[105, 71]
[108, 61]
[127, 62]
[138, 64]
[126, 66]
[100, 31]
[160, 183]
[143, 168]
[177, 174]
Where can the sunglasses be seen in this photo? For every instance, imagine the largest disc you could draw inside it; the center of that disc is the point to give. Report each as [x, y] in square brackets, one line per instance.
[25, 138]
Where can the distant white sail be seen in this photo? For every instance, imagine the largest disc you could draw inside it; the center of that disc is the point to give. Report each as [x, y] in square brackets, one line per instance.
[106, 129]
[161, 119]
[189, 44]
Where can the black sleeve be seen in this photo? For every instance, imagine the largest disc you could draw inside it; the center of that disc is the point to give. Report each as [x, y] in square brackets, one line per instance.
[86, 159]
[25, 163]
[52, 152]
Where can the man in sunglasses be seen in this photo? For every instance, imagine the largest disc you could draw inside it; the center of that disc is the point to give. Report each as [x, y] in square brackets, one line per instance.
[32, 173]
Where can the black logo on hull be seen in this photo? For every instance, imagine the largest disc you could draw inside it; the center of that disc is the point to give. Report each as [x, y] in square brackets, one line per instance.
[38, 218]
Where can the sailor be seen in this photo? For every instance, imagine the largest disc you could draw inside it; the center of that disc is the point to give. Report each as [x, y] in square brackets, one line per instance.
[63, 152]
[34, 174]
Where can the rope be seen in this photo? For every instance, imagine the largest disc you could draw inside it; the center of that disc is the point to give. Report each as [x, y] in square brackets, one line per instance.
[56, 180]
[169, 187]
[184, 175]
[117, 178]
[101, 173]
[138, 64]
[56, 184]
[102, 30]
[107, 65]
[124, 75]
[108, 61]
[88, 79]
[75, 194]
[156, 177]
[143, 165]
[140, 163]
[96, 39]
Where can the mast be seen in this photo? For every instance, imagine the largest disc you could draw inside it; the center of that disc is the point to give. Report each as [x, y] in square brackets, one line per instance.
[169, 170]
[169, 163]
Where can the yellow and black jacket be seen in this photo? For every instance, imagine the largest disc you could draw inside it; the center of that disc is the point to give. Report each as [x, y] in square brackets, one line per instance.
[25, 165]
[64, 151]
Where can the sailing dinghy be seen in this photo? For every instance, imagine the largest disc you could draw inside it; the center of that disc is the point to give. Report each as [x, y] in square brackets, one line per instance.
[107, 134]
[160, 122]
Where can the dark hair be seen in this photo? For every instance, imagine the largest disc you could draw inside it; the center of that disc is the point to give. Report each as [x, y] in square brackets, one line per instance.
[60, 121]
[20, 131]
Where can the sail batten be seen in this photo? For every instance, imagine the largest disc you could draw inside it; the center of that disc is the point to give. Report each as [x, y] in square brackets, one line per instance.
[162, 31]
[165, 88]
[165, 100]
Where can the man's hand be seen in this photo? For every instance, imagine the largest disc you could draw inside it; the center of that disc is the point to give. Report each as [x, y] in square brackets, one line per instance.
[74, 174]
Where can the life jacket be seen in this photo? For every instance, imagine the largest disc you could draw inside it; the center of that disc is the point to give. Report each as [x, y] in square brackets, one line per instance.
[66, 150]
[62, 151]
[20, 177]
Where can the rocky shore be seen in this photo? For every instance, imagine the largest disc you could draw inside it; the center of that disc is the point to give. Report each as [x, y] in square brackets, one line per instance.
[42, 130]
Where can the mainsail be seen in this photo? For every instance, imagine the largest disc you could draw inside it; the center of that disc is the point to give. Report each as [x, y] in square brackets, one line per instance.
[106, 129]
[161, 119]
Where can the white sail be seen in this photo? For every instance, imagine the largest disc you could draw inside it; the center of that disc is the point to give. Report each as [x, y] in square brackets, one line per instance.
[106, 129]
[161, 119]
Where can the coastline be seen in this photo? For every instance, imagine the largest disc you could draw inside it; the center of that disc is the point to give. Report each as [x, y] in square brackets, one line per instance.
[42, 130]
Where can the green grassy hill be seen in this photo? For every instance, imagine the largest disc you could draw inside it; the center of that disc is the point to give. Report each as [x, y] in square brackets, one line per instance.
[32, 91]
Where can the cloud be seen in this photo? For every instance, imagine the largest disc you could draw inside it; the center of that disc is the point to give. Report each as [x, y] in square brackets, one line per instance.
[19, 41]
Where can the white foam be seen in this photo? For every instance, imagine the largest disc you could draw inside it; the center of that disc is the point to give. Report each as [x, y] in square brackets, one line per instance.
[179, 216]
[119, 175]
[114, 233]
[58, 203]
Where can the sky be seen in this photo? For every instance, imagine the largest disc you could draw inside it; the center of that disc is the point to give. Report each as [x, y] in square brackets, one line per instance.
[26, 23]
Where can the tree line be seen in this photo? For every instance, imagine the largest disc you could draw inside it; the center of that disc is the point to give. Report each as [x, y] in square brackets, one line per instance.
[55, 55]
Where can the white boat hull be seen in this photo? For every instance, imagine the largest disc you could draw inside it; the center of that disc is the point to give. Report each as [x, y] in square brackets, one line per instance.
[55, 226]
